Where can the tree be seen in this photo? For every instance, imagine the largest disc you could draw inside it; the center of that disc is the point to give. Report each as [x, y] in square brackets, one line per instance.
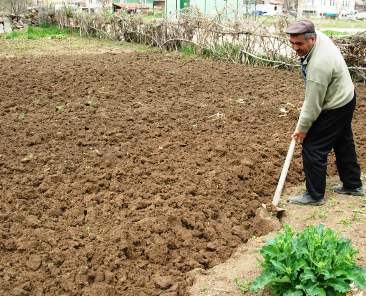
[292, 6]
[15, 7]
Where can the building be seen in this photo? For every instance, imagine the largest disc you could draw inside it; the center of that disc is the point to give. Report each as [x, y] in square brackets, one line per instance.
[84, 5]
[226, 8]
[360, 5]
[267, 8]
[325, 8]
[142, 2]
[159, 5]
[207, 7]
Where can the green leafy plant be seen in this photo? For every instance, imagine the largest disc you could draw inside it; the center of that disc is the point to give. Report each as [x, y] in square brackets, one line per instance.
[314, 262]
[319, 214]
[242, 284]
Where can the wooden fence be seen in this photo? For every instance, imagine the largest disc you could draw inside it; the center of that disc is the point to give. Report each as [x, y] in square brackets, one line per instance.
[246, 41]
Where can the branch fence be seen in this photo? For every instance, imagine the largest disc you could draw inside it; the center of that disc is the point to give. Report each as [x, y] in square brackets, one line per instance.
[245, 41]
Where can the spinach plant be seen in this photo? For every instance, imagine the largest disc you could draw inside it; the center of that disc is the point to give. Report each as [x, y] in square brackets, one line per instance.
[314, 262]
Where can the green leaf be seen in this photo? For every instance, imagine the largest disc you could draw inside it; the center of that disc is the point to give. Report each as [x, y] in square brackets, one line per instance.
[340, 272]
[328, 274]
[358, 276]
[260, 282]
[299, 264]
[339, 285]
[279, 267]
[331, 292]
[308, 275]
[293, 293]
[315, 291]
[284, 279]
[270, 250]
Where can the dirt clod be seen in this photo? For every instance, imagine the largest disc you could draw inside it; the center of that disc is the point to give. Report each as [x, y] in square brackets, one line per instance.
[264, 222]
[163, 282]
[34, 262]
[20, 292]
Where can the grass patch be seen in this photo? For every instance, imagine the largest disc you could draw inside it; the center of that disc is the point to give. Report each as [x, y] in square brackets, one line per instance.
[319, 214]
[331, 33]
[346, 222]
[153, 16]
[70, 45]
[189, 51]
[225, 51]
[35, 33]
[339, 23]
[332, 201]
[13, 35]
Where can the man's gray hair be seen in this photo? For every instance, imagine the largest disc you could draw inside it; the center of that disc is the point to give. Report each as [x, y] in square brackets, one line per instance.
[310, 35]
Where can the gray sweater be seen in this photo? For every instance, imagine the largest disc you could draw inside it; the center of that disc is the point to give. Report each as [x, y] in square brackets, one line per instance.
[328, 82]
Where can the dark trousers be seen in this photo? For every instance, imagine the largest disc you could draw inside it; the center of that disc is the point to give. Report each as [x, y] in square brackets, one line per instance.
[331, 130]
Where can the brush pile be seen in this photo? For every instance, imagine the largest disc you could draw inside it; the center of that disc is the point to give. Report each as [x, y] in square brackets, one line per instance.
[354, 51]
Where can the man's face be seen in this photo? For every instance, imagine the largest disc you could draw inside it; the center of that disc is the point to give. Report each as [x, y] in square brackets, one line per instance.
[301, 45]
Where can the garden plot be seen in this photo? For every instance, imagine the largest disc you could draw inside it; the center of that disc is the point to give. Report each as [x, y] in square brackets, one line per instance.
[120, 173]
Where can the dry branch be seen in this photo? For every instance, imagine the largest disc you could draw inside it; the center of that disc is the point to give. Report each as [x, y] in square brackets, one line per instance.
[270, 61]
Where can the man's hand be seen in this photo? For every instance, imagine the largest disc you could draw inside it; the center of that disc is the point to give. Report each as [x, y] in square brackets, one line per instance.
[299, 136]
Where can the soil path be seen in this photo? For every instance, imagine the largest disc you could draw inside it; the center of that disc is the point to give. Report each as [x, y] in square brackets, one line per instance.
[121, 173]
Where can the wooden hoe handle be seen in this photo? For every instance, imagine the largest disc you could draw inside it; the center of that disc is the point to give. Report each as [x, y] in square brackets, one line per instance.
[281, 182]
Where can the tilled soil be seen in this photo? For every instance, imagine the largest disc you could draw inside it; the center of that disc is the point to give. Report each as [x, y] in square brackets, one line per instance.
[120, 173]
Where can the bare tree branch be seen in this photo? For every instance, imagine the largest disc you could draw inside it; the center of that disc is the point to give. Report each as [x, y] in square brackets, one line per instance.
[15, 7]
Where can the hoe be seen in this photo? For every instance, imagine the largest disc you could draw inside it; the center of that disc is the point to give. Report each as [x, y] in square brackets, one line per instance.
[281, 182]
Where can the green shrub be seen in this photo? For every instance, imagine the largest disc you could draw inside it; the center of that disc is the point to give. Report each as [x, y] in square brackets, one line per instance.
[314, 262]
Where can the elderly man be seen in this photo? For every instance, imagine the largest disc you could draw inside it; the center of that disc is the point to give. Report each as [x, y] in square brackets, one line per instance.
[326, 114]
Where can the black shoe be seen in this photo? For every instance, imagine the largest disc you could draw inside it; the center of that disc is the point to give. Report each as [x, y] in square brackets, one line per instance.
[306, 199]
[342, 190]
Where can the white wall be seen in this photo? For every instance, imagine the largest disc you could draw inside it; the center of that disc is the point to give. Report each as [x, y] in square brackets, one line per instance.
[171, 7]
[229, 8]
[328, 6]
[270, 9]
